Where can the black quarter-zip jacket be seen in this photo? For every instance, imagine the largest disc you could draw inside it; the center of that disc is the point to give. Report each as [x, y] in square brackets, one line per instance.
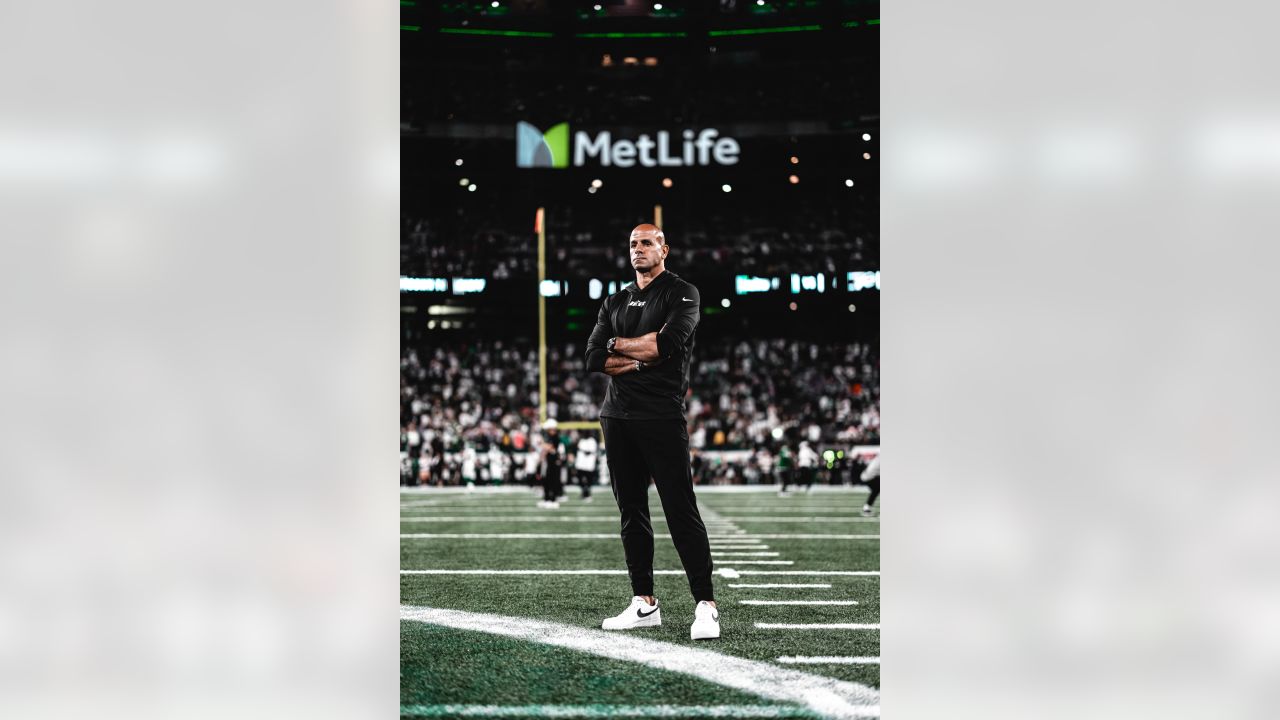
[669, 306]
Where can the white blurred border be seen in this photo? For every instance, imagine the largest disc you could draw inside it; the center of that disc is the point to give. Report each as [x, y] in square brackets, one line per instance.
[198, 205]
[1080, 221]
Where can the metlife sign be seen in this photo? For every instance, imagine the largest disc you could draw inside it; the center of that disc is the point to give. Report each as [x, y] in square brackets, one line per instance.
[536, 149]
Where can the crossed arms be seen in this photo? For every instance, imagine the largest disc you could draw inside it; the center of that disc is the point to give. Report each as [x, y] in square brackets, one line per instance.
[632, 354]
[648, 349]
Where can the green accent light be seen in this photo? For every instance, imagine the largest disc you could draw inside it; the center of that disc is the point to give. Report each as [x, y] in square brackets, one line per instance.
[407, 3]
[851, 23]
[874, 22]
[573, 326]
[501, 33]
[631, 34]
[762, 31]
[840, 454]
[414, 28]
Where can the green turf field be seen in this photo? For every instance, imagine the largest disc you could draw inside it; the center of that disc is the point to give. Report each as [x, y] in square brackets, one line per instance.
[537, 650]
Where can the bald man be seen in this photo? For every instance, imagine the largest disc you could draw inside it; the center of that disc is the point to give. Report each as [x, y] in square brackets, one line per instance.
[643, 340]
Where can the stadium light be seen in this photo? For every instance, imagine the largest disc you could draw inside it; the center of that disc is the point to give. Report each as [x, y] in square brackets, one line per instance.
[596, 8]
[848, 182]
[591, 190]
[462, 286]
[666, 182]
[471, 187]
[495, 3]
[866, 136]
[657, 6]
[853, 308]
[793, 306]
[795, 179]
[866, 156]
[724, 302]
[596, 183]
[726, 187]
[458, 162]
[776, 433]
[795, 160]
[760, 2]
[595, 289]
[464, 182]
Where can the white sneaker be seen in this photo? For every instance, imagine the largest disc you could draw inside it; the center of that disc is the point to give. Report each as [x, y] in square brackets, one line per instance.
[866, 510]
[706, 622]
[639, 614]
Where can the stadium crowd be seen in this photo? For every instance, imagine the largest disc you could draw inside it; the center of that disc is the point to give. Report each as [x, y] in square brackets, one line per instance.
[469, 409]
[813, 238]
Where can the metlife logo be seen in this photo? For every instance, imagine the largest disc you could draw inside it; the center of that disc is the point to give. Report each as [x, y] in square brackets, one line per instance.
[535, 149]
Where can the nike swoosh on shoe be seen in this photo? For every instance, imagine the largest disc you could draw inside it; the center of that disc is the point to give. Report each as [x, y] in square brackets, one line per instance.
[646, 614]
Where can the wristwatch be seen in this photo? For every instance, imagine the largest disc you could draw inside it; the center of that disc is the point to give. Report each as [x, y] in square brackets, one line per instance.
[609, 345]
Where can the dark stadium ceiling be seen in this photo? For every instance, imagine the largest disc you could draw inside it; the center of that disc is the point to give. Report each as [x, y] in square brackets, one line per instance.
[614, 19]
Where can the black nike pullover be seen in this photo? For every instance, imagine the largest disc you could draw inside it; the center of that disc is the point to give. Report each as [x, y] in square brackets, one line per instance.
[669, 306]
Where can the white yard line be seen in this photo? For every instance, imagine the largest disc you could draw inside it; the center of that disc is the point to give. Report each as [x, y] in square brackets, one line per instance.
[714, 546]
[806, 536]
[714, 553]
[824, 695]
[725, 572]
[604, 489]
[780, 585]
[811, 518]
[605, 711]
[818, 626]
[480, 518]
[868, 573]
[518, 536]
[736, 563]
[827, 660]
[729, 572]
[797, 602]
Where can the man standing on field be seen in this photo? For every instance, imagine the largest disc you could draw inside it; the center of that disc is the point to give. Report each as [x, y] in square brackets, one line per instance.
[643, 340]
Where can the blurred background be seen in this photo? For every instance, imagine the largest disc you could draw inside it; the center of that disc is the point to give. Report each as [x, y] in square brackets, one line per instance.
[778, 228]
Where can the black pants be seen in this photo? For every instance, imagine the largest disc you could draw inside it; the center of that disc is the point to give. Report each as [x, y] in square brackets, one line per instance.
[586, 478]
[874, 484]
[637, 451]
[551, 485]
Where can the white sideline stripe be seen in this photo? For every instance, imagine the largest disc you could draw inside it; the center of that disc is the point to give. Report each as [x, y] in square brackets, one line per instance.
[605, 711]
[735, 563]
[724, 572]
[827, 696]
[818, 626]
[797, 602]
[739, 547]
[828, 660]
[715, 553]
[780, 585]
